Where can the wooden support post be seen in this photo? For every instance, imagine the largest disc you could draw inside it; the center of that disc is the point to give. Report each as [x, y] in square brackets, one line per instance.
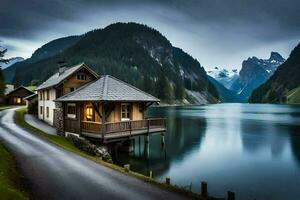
[168, 181]
[103, 121]
[146, 137]
[150, 174]
[162, 139]
[130, 128]
[127, 167]
[230, 195]
[204, 189]
[80, 117]
[139, 145]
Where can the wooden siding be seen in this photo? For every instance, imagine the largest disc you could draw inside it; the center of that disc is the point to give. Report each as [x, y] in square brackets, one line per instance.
[73, 125]
[20, 93]
[73, 82]
[115, 115]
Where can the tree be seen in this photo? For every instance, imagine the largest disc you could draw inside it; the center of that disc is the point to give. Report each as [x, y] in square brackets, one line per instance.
[179, 90]
[2, 82]
[164, 89]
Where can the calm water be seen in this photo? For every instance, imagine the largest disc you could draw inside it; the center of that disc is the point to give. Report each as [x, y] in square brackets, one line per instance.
[253, 150]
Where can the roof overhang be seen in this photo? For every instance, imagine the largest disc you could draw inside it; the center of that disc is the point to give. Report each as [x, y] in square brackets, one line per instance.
[83, 65]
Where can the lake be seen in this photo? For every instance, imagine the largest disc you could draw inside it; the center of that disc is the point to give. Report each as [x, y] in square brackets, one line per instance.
[253, 150]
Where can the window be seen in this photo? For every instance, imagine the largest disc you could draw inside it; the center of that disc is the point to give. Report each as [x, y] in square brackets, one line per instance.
[81, 76]
[125, 112]
[47, 94]
[41, 110]
[71, 110]
[72, 89]
[17, 100]
[41, 95]
[89, 113]
[47, 112]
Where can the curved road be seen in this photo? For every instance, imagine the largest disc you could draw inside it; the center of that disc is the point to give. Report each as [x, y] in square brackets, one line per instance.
[54, 173]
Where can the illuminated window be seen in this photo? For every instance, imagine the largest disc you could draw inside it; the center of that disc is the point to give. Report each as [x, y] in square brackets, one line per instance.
[89, 113]
[17, 100]
[125, 112]
[71, 110]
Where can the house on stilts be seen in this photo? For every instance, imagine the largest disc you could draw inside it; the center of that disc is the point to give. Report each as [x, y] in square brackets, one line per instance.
[105, 109]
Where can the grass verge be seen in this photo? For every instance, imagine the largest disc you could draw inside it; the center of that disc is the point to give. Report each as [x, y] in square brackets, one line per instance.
[3, 107]
[67, 145]
[10, 179]
[293, 96]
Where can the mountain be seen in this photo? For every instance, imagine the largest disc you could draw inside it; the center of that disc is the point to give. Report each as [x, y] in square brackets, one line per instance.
[255, 72]
[11, 62]
[136, 54]
[226, 95]
[46, 51]
[283, 84]
[8, 70]
[223, 76]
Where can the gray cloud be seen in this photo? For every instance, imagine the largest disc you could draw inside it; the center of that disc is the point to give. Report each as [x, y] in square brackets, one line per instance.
[216, 32]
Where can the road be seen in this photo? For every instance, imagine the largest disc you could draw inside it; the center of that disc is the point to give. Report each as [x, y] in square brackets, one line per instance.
[53, 173]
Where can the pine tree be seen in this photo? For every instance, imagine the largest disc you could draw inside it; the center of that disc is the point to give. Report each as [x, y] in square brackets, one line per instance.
[164, 89]
[179, 90]
[2, 82]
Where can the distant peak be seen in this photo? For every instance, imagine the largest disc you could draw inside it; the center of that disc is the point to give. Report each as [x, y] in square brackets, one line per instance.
[276, 56]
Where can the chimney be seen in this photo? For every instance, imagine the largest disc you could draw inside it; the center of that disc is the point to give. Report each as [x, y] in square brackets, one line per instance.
[62, 67]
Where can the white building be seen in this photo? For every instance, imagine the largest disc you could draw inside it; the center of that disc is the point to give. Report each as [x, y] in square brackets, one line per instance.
[63, 82]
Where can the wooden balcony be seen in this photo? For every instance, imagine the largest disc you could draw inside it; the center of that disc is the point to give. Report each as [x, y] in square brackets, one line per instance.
[122, 130]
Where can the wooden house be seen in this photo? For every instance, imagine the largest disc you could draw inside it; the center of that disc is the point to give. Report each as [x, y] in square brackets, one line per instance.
[61, 83]
[107, 109]
[15, 97]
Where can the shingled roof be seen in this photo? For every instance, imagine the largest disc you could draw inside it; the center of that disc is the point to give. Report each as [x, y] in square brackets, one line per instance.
[108, 88]
[58, 78]
[19, 88]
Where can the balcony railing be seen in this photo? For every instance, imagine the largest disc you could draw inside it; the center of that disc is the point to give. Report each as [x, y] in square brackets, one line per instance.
[147, 125]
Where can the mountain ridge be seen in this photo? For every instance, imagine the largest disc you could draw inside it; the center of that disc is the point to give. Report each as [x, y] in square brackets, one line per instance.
[134, 53]
[282, 82]
[49, 49]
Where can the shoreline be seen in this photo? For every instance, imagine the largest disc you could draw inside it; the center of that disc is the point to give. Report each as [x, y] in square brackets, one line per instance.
[65, 144]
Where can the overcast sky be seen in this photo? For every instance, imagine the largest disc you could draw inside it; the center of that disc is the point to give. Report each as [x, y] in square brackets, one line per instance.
[216, 32]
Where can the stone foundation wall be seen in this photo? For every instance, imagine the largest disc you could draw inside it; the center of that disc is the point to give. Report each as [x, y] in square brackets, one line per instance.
[59, 118]
[88, 147]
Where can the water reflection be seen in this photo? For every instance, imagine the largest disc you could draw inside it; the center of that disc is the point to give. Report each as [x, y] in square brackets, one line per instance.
[250, 149]
[295, 142]
[184, 134]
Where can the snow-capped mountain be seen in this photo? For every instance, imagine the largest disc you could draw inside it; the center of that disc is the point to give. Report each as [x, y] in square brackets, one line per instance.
[223, 76]
[11, 62]
[255, 72]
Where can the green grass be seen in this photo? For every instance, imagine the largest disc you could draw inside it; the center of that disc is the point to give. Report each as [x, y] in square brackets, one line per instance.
[60, 141]
[293, 96]
[3, 107]
[10, 179]
[31, 87]
[67, 145]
